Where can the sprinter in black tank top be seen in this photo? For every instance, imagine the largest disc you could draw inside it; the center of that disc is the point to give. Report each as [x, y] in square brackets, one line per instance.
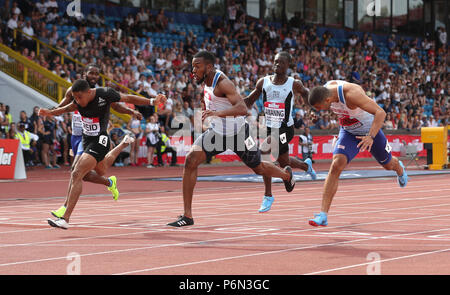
[91, 74]
[93, 105]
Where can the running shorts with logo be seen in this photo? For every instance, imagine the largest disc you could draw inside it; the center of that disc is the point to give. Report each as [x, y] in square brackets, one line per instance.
[97, 146]
[347, 144]
[242, 143]
[285, 135]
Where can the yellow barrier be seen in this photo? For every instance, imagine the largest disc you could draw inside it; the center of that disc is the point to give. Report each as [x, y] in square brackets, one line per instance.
[437, 136]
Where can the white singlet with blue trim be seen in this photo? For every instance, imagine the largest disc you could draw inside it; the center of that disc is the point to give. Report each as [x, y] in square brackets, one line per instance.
[356, 121]
[223, 126]
[77, 124]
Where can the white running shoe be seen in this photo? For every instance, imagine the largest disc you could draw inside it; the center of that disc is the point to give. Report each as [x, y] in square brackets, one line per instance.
[60, 222]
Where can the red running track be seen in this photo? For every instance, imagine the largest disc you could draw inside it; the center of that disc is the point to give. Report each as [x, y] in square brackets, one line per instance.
[374, 226]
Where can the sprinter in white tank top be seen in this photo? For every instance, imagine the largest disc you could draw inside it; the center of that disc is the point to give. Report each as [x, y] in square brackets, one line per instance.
[222, 101]
[356, 121]
[279, 92]
[229, 125]
[357, 113]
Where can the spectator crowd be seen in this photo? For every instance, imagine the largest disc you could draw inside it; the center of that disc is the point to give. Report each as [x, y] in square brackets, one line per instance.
[410, 84]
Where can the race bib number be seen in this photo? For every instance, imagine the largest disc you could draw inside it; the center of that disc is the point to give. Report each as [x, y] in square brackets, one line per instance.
[274, 112]
[388, 147]
[91, 126]
[349, 123]
[283, 138]
[249, 143]
[103, 140]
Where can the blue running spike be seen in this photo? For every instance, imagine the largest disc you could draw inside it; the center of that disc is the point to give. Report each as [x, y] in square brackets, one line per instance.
[402, 180]
[310, 170]
[266, 204]
[320, 219]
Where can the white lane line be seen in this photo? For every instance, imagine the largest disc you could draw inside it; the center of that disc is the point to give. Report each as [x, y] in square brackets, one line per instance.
[264, 253]
[380, 261]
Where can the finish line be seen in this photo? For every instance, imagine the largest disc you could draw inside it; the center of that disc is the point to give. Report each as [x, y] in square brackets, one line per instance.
[302, 176]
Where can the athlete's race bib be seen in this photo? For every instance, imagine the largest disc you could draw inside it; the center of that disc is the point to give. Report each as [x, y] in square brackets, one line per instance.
[91, 126]
[76, 120]
[349, 123]
[274, 112]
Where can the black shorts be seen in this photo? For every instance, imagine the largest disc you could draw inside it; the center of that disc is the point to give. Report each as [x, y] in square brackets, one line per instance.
[47, 139]
[243, 144]
[284, 134]
[96, 146]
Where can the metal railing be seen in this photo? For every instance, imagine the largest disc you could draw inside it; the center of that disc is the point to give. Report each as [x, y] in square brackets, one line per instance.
[32, 74]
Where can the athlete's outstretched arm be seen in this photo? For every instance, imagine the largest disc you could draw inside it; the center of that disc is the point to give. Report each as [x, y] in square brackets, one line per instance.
[255, 94]
[139, 100]
[356, 96]
[227, 88]
[57, 111]
[126, 110]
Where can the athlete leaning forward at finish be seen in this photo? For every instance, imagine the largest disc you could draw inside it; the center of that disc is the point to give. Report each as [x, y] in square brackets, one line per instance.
[361, 119]
[91, 74]
[279, 92]
[229, 130]
[94, 107]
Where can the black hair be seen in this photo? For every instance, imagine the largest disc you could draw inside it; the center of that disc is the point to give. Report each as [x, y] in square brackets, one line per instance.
[90, 66]
[317, 95]
[207, 56]
[80, 85]
[286, 55]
